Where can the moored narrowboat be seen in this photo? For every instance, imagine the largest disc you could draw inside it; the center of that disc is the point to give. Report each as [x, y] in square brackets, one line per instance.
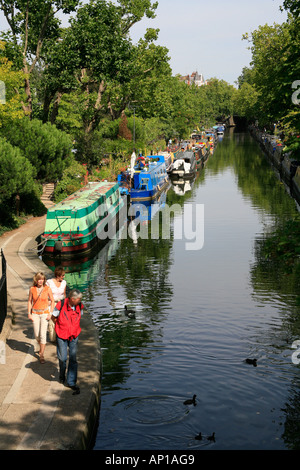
[80, 221]
[184, 165]
[146, 180]
[220, 130]
[169, 157]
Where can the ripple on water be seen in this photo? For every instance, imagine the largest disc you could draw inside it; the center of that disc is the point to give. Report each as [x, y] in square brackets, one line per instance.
[154, 409]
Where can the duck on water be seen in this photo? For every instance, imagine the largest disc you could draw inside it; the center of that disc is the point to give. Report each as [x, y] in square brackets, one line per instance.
[191, 401]
[199, 437]
[129, 312]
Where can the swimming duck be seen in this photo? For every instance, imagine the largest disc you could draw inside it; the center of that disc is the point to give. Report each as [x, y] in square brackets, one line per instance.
[191, 401]
[129, 313]
[252, 362]
[212, 437]
[198, 437]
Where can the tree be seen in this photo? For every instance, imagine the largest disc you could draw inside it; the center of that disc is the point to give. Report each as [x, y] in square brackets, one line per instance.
[246, 76]
[33, 28]
[275, 74]
[220, 93]
[147, 86]
[293, 6]
[47, 148]
[92, 52]
[96, 62]
[11, 95]
[245, 101]
[134, 11]
[181, 117]
[269, 53]
[16, 172]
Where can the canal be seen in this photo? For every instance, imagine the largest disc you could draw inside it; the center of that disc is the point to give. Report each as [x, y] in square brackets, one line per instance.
[198, 315]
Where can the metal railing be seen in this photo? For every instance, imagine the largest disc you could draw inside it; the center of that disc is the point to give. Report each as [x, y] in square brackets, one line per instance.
[3, 292]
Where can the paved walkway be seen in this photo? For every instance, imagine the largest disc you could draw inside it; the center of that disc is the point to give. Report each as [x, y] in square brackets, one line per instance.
[36, 411]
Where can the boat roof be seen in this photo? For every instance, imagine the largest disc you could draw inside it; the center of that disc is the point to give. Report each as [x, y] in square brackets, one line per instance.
[185, 155]
[85, 196]
[154, 161]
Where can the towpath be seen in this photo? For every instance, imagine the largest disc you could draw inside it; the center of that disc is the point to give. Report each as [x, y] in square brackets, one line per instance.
[36, 411]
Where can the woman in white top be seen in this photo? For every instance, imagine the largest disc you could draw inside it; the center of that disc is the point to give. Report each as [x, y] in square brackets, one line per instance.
[58, 286]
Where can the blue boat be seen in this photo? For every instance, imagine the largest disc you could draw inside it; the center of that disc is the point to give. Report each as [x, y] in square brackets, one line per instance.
[146, 179]
[220, 130]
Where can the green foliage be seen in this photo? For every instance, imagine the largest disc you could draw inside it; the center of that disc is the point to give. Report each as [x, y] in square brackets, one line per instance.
[47, 148]
[72, 180]
[274, 69]
[12, 96]
[16, 172]
[69, 117]
[8, 219]
[83, 78]
[100, 73]
[109, 169]
[291, 124]
[154, 130]
[133, 12]
[19, 193]
[220, 94]
[245, 101]
[34, 29]
[293, 6]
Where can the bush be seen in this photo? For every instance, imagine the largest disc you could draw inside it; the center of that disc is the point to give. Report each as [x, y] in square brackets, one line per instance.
[47, 148]
[16, 172]
[72, 179]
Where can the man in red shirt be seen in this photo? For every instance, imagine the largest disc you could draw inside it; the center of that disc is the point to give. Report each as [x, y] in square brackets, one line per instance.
[66, 316]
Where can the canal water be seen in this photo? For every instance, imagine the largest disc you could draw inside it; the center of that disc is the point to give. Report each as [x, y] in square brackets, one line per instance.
[199, 313]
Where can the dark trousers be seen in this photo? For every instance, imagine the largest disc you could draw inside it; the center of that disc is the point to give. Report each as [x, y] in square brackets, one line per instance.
[62, 353]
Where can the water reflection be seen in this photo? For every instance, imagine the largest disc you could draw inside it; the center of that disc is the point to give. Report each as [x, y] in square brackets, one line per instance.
[145, 211]
[85, 269]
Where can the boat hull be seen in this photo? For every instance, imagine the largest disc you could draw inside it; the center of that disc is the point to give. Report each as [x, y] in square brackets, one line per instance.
[145, 182]
[184, 165]
[92, 227]
[183, 174]
[74, 246]
[144, 195]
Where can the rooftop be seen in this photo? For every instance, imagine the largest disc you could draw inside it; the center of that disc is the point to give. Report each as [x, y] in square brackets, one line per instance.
[84, 196]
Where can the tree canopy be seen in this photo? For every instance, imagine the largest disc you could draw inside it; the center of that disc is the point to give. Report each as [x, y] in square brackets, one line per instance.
[69, 90]
[274, 74]
[16, 172]
[47, 148]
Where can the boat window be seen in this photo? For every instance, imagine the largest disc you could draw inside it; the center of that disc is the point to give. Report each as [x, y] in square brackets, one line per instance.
[144, 183]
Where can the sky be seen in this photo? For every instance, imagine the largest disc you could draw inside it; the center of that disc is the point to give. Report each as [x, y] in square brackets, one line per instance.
[206, 35]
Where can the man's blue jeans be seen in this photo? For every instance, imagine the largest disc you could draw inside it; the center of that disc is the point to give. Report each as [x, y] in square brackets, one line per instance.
[62, 354]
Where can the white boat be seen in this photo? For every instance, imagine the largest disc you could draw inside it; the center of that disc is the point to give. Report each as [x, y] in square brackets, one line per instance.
[184, 165]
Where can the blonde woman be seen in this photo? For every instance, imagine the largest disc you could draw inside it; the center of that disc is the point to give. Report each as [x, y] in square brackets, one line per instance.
[39, 311]
[58, 286]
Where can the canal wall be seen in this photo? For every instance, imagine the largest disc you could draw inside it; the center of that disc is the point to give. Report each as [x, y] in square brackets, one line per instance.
[286, 164]
[36, 411]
